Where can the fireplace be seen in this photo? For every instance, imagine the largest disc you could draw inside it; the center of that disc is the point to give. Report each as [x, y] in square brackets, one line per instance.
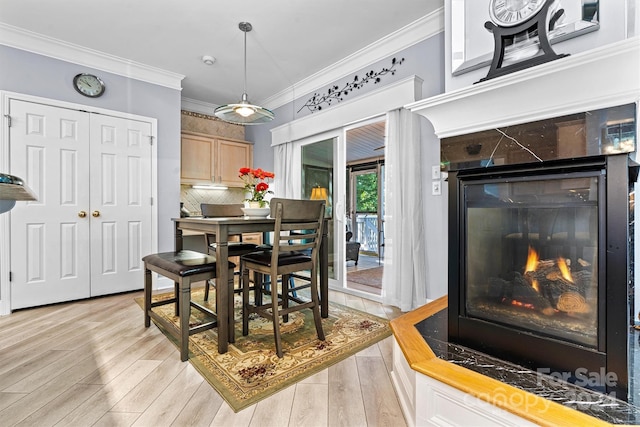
[540, 232]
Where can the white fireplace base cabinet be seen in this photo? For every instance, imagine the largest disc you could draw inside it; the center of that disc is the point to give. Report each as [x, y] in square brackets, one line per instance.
[428, 402]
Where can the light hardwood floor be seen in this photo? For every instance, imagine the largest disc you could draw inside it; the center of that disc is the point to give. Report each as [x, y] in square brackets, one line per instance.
[92, 363]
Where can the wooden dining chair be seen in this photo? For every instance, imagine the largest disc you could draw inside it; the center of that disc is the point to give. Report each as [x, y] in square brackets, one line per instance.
[288, 255]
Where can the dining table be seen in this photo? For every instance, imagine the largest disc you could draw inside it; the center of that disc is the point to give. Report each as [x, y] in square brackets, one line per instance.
[222, 228]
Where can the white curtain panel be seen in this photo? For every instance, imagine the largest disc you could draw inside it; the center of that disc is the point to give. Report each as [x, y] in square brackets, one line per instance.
[405, 264]
[288, 179]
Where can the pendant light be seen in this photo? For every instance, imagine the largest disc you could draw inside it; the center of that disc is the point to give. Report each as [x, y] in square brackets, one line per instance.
[244, 113]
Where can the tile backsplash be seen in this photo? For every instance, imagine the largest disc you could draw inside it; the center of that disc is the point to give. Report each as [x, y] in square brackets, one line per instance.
[192, 198]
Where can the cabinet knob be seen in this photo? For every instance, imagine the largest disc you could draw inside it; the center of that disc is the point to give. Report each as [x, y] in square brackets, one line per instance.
[95, 214]
[82, 214]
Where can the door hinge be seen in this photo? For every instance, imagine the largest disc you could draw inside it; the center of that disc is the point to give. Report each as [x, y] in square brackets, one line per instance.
[151, 201]
[151, 138]
[10, 276]
[8, 119]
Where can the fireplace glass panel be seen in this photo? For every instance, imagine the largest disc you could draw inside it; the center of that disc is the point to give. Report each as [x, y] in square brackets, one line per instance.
[531, 257]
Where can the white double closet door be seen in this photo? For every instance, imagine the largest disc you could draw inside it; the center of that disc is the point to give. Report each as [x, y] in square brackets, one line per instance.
[91, 225]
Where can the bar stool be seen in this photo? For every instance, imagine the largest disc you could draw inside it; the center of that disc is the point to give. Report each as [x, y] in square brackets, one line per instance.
[183, 267]
[288, 255]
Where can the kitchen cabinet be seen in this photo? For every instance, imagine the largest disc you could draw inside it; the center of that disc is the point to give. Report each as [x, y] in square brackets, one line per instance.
[209, 159]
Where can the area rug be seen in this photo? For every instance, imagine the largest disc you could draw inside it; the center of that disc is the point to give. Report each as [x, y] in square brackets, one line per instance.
[251, 371]
[370, 277]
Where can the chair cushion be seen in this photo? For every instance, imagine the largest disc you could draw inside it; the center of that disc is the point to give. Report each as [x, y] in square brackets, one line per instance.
[288, 258]
[183, 263]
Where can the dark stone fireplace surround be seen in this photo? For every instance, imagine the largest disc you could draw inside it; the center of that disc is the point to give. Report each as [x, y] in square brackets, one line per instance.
[600, 78]
[531, 347]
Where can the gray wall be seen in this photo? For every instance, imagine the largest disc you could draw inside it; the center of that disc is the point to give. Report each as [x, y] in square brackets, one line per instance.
[424, 59]
[37, 75]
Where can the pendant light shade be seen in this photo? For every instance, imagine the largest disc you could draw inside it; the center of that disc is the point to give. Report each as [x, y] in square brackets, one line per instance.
[244, 113]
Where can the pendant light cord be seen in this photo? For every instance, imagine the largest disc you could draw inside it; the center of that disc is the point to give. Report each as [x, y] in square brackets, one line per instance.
[245, 60]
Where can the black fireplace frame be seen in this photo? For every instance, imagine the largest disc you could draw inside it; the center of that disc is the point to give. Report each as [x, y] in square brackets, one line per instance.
[532, 350]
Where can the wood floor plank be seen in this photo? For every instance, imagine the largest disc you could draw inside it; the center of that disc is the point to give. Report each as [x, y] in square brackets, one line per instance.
[143, 395]
[374, 308]
[117, 419]
[166, 408]
[386, 349]
[8, 399]
[27, 340]
[321, 377]
[310, 406]
[227, 418]
[371, 351]
[31, 363]
[354, 302]
[94, 408]
[87, 356]
[163, 350]
[346, 407]
[107, 372]
[275, 410]
[58, 408]
[380, 402]
[201, 408]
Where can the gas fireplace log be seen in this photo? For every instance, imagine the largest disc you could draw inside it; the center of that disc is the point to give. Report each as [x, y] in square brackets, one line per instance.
[519, 292]
[573, 302]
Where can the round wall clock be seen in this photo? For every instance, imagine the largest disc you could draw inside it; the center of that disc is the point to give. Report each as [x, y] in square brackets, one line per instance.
[508, 13]
[88, 85]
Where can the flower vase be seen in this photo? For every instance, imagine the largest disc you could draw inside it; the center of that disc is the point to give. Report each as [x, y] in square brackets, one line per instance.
[252, 205]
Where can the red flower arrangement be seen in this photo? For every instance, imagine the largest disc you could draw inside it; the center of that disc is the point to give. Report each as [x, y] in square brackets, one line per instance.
[255, 182]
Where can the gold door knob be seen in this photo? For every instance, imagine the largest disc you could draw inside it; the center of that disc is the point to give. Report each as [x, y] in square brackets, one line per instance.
[95, 214]
[82, 214]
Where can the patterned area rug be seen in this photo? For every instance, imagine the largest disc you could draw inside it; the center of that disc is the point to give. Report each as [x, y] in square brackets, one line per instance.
[250, 371]
[370, 277]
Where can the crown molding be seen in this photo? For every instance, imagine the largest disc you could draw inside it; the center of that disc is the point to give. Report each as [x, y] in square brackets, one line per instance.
[197, 106]
[29, 41]
[603, 77]
[419, 30]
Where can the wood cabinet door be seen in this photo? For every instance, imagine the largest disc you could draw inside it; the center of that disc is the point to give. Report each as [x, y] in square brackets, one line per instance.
[230, 157]
[196, 159]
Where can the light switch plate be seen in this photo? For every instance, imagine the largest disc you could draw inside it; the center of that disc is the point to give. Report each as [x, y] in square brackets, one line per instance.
[436, 189]
[435, 172]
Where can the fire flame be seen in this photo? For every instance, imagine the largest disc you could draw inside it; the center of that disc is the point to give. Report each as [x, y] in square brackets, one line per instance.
[532, 260]
[532, 265]
[566, 274]
[535, 285]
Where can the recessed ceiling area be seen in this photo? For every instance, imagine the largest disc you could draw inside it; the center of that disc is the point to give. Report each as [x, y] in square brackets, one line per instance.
[366, 141]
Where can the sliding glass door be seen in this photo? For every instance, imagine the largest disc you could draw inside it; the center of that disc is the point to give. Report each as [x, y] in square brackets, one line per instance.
[345, 167]
[320, 180]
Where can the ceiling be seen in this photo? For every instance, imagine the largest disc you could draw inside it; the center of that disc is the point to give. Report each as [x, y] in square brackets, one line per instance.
[290, 41]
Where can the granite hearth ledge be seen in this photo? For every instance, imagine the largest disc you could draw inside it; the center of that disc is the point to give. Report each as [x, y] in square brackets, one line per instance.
[459, 385]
